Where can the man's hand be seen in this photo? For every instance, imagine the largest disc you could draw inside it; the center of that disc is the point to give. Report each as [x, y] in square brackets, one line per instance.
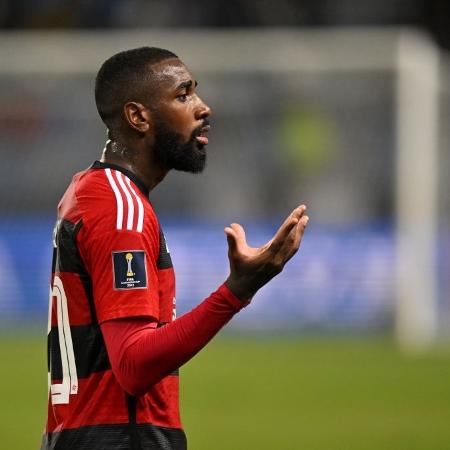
[251, 268]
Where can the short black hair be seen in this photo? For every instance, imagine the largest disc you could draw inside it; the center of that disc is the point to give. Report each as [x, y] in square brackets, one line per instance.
[122, 76]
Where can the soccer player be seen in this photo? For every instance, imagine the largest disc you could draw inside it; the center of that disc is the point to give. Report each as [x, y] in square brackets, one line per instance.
[114, 342]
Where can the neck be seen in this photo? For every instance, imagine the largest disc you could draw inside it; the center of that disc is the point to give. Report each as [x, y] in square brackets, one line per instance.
[137, 161]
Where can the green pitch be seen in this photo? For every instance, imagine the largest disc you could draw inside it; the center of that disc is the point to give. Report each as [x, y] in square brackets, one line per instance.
[272, 394]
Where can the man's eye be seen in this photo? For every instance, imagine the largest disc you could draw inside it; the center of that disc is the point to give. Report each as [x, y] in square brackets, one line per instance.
[182, 97]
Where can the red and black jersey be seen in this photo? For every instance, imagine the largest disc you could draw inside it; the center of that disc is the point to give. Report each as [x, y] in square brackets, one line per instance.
[110, 261]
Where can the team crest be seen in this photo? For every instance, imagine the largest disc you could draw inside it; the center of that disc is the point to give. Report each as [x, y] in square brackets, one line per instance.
[129, 269]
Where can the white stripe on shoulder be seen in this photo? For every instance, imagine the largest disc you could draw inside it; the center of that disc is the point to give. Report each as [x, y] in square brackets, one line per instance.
[130, 203]
[140, 223]
[118, 198]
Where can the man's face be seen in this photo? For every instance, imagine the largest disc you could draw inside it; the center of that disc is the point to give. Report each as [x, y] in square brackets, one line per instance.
[181, 119]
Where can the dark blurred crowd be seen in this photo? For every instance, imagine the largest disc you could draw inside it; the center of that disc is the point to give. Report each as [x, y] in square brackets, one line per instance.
[433, 15]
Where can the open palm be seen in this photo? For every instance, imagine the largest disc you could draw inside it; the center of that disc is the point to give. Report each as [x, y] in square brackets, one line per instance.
[252, 267]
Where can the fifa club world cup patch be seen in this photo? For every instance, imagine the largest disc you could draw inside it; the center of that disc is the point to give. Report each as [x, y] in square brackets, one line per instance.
[130, 271]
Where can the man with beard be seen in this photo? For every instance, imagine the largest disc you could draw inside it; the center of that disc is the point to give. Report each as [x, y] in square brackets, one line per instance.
[114, 342]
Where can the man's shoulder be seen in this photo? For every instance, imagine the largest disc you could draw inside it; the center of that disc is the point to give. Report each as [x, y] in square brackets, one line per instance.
[91, 186]
[108, 196]
[86, 192]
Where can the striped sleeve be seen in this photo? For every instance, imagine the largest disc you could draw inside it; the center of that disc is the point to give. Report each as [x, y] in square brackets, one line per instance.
[120, 245]
[129, 207]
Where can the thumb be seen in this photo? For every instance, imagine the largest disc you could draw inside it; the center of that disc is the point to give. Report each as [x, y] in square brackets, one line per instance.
[231, 239]
[235, 237]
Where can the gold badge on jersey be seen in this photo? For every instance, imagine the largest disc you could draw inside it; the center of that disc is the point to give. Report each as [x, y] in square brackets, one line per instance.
[129, 269]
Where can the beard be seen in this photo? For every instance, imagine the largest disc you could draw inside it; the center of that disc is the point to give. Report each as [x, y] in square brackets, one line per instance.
[171, 152]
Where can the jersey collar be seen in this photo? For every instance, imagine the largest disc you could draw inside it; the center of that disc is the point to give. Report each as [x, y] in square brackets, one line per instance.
[128, 173]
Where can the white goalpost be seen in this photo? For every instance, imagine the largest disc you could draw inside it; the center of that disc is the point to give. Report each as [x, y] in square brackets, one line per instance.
[416, 191]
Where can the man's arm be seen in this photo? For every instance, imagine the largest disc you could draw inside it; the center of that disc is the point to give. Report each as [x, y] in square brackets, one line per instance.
[141, 355]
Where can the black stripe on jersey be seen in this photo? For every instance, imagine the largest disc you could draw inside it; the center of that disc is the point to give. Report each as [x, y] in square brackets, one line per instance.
[67, 258]
[164, 260]
[88, 347]
[107, 437]
[132, 425]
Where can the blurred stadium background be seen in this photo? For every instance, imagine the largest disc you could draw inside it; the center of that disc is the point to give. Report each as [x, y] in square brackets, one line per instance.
[342, 105]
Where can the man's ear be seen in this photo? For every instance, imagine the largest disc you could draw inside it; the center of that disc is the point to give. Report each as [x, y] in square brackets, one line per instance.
[138, 117]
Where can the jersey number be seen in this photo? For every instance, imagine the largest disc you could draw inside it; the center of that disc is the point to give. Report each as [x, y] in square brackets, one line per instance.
[61, 391]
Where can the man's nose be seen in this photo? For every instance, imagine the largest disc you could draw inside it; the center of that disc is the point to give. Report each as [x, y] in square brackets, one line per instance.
[203, 110]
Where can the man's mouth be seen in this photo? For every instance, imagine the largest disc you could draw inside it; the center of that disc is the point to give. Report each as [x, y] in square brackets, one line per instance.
[201, 137]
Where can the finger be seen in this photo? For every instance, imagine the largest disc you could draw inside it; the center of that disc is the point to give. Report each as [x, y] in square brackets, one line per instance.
[300, 230]
[299, 211]
[288, 225]
[231, 239]
[236, 237]
[239, 231]
[292, 244]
